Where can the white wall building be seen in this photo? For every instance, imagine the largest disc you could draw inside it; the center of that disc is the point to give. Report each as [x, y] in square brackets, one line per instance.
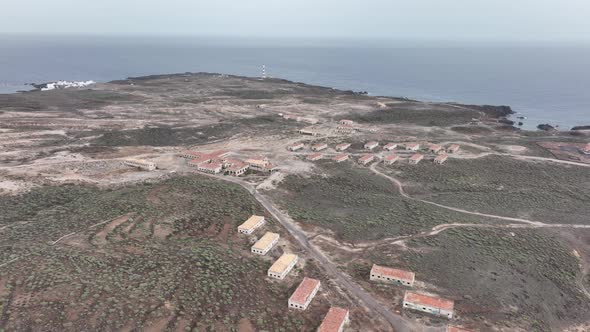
[250, 225]
[283, 266]
[304, 294]
[429, 304]
[265, 243]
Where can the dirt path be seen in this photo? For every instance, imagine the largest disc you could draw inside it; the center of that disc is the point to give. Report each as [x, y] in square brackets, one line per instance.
[398, 322]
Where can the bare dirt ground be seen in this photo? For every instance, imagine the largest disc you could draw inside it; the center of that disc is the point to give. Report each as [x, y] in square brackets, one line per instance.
[80, 138]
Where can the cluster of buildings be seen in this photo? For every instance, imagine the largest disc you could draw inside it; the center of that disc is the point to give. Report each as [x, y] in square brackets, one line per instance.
[217, 162]
[413, 300]
[301, 298]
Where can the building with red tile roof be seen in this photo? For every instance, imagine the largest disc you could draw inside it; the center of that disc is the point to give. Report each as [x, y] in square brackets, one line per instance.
[390, 159]
[198, 161]
[237, 168]
[441, 158]
[434, 148]
[213, 167]
[314, 156]
[342, 147]
[335, 320]
[340, 158]
[429, 304]
[416, 158]
[371, 145]
[304, 293]
[382, 273]
[366, 159]
[412, 146]
[319, 147]
[390, 146]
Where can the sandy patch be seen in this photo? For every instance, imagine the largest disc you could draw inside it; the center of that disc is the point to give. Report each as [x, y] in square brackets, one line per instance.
[272, 181]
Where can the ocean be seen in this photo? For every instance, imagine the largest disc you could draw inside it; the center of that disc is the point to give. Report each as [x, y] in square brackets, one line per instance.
[544, 83]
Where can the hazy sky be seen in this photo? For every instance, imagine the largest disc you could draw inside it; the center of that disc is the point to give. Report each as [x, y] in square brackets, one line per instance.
[428, 19]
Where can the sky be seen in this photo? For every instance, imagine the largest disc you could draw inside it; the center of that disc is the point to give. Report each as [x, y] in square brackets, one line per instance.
[502, 20]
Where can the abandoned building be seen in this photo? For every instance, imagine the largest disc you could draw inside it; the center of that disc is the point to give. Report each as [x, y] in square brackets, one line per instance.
[429, 304]
[265, 243]
[451, 328]
[319, 147]
[250, 225]
[390, 146]
[295, 146]
[440, 159]
[382, 273]
[345, 129]
[314, 156]
[237, 168]
[346, 122]
[212, 168]
[434, 148]
[335, 320]
[340, 158]
[454, 148]
[189, 154]
[342, 147]
[306, 131]
[371, 145]
[283, 266]
[304, 294]
[366, 159]
[416, 158]
[412, 146]
[140, 163]
[390, 159]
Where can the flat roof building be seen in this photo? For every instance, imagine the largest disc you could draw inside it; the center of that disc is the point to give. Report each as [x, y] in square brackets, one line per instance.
[342, 147]
[416, 158]
[314, 156]
[412, 146]
[250, 225]
[283, 266]
[390, 159]
[265, 243]
[140, 163]
[304, 294]
[429, 304]
[307, 132]
[454, 148]
[340, 158]
[390, 146]
[319, 147]
[366, 159]
[295, 146]
[382, 273]
[441, 158]
[212, 168]
[371, 145]
[335, 320]
[434, 148]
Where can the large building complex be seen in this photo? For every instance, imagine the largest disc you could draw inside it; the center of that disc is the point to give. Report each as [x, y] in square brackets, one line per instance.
[382, 273]
[335, 320]
[283, 266]
[429, 304]
[265, 243]
[304, 293]
[250, 225]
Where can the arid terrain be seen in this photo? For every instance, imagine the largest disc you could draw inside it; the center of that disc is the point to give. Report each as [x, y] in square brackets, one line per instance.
[89, 243]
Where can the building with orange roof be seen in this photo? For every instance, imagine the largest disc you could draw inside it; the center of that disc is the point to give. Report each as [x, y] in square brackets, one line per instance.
[314, 156]
[237, 168]
[454, 148]
[366, 159]
[440, 159]
[371, 145]
[390, 146]
[250, 225]
[319, 147]
[258, 162]
[212, 168]
[265, 243]
[282, 266]
[412, 146]
[304, 294]
[416, 158]
[390, 159]
[382, 273]
[335, 320]
[434, 148]
[429, 304]
[451, 328]
[340, 158]
[342, 147]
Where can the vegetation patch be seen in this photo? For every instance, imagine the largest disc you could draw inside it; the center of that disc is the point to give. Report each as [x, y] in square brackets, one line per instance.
[423, 117]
